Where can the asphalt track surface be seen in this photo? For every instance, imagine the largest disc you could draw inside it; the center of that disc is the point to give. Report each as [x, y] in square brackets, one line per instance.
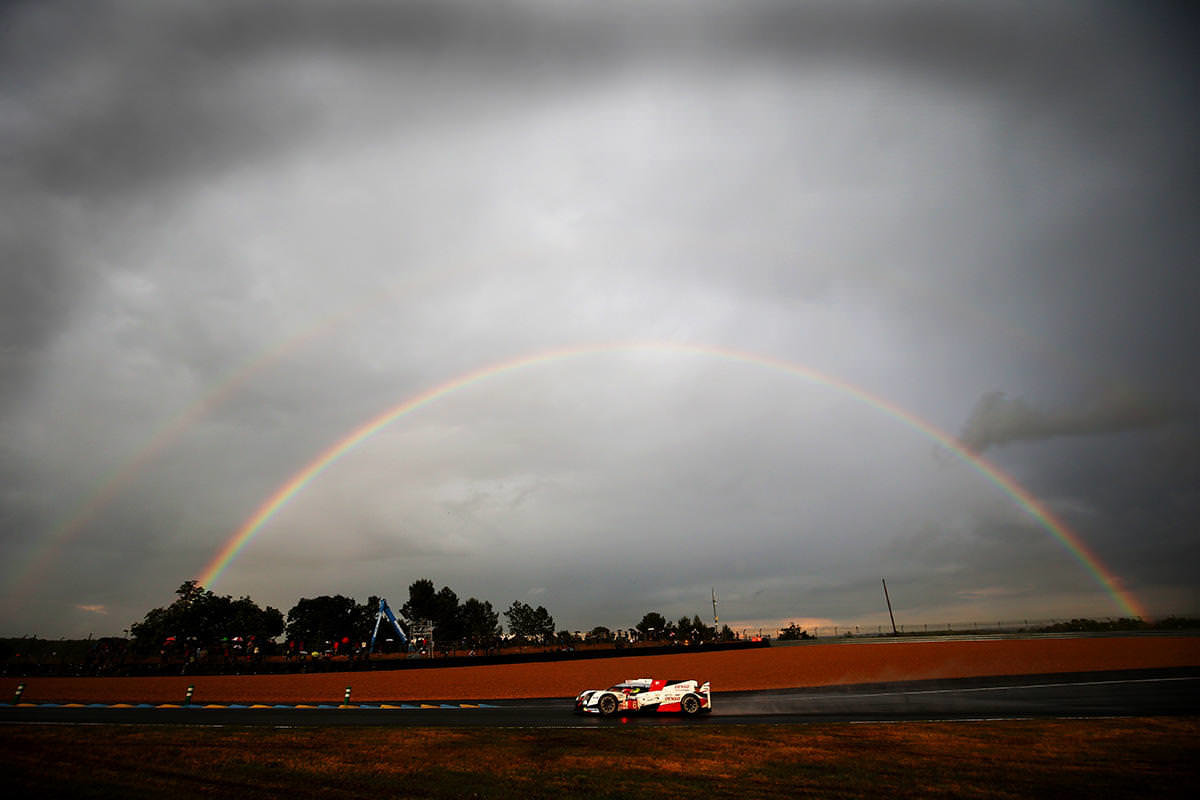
[1160, 692]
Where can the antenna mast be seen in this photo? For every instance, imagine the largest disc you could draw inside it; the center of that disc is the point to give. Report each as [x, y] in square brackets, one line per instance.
[889, 604]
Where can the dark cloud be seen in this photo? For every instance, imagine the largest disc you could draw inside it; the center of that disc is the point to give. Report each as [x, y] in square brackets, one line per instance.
[1000, 419]
[34, 301]
[233, 232]
[1134, 499]
[136, 95]
[112, 96]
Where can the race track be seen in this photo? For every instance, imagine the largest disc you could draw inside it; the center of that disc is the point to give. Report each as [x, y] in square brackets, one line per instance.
[1128, 693]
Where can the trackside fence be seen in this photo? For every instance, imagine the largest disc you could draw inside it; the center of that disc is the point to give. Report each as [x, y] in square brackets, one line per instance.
[1019, 626]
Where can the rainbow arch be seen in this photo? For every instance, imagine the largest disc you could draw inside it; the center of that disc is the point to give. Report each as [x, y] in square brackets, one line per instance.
[1074, 544]
[27, 574]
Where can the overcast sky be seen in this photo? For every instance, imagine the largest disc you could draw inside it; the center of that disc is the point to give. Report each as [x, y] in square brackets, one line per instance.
[232, 233]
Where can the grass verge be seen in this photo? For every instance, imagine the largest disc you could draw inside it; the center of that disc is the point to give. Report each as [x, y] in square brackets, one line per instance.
[1109, 758]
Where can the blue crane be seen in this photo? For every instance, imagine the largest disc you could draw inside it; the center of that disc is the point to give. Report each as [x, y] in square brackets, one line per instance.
[385, 611]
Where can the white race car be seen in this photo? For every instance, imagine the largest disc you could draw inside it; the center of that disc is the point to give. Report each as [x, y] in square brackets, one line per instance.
[646, 694]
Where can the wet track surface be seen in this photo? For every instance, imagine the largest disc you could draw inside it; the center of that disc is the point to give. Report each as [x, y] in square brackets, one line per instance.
[1169, 692]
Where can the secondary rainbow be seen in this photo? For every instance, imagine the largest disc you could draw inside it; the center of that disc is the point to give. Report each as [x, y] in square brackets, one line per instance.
[27, 575]
[1056, 527]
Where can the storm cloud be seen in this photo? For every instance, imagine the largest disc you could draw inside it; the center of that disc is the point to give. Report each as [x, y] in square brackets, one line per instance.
[999, 419]
[233, 233]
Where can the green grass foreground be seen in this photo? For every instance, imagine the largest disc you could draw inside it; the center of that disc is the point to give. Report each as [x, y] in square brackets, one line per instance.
[1058, 758]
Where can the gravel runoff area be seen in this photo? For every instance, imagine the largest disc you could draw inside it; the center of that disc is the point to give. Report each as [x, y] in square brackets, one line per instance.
[769, 668]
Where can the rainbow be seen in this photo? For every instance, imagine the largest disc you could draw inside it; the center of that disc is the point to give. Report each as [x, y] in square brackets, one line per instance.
[119, 478]
[1111, 583]
[27, 574]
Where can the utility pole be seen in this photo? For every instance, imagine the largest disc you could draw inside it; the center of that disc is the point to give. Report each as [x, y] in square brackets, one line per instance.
[716, 619]
[889, 604]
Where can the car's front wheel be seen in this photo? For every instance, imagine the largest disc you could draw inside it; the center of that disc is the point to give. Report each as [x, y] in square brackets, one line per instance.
[607, 705]
[690, 705]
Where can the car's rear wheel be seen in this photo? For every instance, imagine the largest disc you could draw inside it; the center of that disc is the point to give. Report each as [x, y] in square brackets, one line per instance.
[607, 705]
[690, 705]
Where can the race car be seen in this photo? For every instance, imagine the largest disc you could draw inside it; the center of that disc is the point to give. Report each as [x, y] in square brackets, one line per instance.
[646, 694]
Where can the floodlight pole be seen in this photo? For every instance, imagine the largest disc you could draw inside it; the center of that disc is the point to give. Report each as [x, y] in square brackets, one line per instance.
[716, 619]
[889, 605]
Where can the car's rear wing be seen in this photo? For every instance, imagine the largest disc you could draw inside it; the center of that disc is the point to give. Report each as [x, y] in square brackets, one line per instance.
[706, 690]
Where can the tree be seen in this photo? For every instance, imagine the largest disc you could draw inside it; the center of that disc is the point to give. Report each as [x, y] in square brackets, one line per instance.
[205, 618]
[447, 622]
[422, 601]
[599, 634]
[520, 618]
[793, 633]
[480, 624]
[246, 619]
[543, 624]
[530, 623]
[317, 620]
[652, 625]
[437, 607]
[698, 631]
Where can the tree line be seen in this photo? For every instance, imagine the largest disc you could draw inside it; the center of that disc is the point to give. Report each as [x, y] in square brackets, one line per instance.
[657, 628]
[200, 618]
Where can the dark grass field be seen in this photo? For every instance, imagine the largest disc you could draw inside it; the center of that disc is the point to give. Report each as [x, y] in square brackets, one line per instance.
[994, 759]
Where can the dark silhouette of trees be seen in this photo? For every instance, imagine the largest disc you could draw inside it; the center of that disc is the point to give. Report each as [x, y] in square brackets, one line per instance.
[480, 623]
[694, 630]
[322, 620]
[653, 626]
[198, 619]
[198, 616]
[793, 633]
[599, 634]
[437, 607]
[422, 601]
[527, 622]
[447, 622]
